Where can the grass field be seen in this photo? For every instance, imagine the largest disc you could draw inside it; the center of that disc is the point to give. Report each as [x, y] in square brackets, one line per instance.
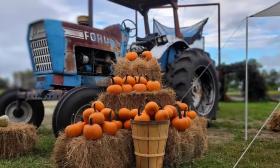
[225, 142]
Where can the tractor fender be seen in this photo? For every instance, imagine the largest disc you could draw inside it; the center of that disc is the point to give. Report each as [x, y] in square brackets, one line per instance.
[158, 51]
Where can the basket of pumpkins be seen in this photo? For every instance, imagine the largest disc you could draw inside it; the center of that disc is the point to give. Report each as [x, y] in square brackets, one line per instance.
[150, 131]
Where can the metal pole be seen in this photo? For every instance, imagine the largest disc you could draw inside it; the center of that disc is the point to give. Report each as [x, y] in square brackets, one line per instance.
[246, 83]
[219, 35]
[90, 13]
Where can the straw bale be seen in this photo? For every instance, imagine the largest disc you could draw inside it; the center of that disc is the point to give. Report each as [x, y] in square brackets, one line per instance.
[135, 100]
[183, 147]
[107, 152]
[17, 139]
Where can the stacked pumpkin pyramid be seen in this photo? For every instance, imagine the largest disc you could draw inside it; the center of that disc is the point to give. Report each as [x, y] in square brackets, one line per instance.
[132, 96]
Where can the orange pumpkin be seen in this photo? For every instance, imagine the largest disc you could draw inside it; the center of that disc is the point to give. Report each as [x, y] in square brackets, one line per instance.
[129, 80]
[131, 56]
[151, 108]
[110, 127]
[172, 112]
[106, 112]
[179, 122]
[133, 113]
[114, 89]
[183, 106]
[124, 114]
[127, 88]
[97, 105]
[127, 124]
[97, 118]
[118, 123]
[92, 131]
[142, 116]
[153, 86]
[86, 113]
[161, 115]
[141, 79]
[192, 114]
[139, 87]
[74, 130]
[147, 55]
[116, 80]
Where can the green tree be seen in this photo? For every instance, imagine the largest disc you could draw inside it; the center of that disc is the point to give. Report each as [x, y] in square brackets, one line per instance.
[3, 83]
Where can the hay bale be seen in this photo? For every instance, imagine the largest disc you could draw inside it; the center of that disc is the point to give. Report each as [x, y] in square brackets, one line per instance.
[274, 122]
[16, 139]
[107, 152]
[138, 67]
[183, 147]
[135, 100]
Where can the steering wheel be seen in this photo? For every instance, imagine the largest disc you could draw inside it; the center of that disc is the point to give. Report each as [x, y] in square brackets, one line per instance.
[130, 27]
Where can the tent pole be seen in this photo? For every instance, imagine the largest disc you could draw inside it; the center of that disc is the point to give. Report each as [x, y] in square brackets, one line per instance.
[246, 83]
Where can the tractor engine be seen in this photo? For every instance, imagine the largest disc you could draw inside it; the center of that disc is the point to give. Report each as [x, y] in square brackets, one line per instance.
[66, 55]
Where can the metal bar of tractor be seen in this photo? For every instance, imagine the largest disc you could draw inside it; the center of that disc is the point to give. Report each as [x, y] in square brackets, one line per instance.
[90, 13]
[146, 20]
[136, 22]
[219, 21]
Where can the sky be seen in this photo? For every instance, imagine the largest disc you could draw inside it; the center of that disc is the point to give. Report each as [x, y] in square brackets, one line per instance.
[264, 33]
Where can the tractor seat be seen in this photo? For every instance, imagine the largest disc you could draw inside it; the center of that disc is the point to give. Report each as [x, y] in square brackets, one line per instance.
[149, 37]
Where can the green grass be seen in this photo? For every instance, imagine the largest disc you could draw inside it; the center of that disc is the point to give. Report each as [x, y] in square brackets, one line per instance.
[263, 153]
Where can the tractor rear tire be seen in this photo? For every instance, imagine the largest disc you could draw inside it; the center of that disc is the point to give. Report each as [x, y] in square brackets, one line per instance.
[70, 107]
[201, 94]
[31, 111]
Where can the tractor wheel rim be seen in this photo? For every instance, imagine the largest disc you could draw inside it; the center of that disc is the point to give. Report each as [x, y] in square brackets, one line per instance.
[196, 91]
[24, 115]
[76, 117]
[203, 91]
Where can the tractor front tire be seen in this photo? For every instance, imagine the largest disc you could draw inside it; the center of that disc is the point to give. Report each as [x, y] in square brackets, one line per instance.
[31, 111]
[193, 77]
[70, 107]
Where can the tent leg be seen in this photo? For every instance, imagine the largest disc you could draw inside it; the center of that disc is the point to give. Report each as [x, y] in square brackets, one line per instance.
[246, 84]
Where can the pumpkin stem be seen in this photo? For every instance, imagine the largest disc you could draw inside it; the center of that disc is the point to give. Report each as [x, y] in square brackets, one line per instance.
[178, 110]
[110, 116]
[147, 77]
[90, 121]
[139, 110]
[112, 78]
[94, 108]
[185, 113]
[125, 78]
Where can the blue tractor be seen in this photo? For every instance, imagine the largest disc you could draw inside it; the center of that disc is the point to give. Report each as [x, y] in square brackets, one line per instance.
[73, 63]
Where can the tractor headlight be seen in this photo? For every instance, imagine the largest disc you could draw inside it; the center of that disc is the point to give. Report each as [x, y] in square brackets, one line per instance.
[85, 59]
[159, 40]
[164, 39]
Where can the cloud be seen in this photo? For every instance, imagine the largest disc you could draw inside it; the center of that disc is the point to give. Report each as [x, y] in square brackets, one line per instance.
[270, 62]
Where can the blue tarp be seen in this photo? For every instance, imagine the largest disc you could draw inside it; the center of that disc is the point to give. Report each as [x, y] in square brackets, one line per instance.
[190, 33]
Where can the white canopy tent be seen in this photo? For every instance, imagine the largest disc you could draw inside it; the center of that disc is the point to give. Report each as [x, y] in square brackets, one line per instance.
[273, 10]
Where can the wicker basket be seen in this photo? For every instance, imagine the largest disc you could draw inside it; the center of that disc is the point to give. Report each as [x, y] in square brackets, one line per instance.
[149, 142]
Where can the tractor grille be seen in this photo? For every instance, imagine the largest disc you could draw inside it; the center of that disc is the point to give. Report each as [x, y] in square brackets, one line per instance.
[41, 55]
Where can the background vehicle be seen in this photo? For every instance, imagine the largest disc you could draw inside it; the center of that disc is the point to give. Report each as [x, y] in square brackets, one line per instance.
[73, 62]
